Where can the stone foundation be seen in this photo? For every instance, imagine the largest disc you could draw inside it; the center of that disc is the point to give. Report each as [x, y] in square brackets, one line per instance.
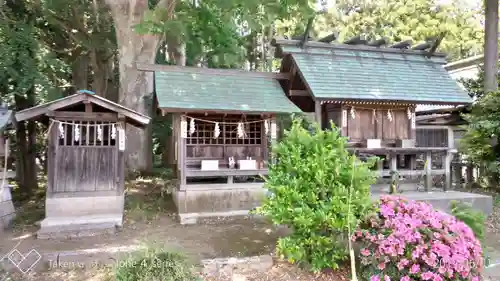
[203, 201]
[7, 212]
[77, 216]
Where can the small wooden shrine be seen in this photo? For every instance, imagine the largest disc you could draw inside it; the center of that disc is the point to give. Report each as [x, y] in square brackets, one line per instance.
[223, 122]
[369, 90]
[7, 211]
[86, 146]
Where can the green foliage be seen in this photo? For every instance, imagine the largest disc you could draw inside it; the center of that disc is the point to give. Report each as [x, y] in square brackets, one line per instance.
[472, 218]
[478, 143]
[155, 266]
[410, 20]
[310, 183]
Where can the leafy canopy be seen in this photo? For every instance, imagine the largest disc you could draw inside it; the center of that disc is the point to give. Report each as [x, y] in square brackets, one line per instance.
[310, 184]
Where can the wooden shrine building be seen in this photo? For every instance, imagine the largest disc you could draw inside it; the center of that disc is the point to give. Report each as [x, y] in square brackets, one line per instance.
[370, 91]
[86, 146]
[222, 125]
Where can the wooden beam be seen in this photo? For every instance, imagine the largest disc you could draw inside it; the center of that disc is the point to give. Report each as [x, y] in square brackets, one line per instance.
[76, 115]
[211, 71]
[422, 47]
[436, 44]
[357, 40]
[88, 106]
[378, 43]
[216, 111]
[299, 93]
[315, 44]
[305, 37]
[329, 38]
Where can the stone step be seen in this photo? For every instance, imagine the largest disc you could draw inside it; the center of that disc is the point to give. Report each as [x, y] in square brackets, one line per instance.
[76, 230]
[116, 218]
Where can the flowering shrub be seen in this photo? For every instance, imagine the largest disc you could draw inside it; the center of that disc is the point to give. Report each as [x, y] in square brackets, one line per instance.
[410, 241]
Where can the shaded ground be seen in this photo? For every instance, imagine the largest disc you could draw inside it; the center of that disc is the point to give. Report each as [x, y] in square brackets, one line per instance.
[150, 220]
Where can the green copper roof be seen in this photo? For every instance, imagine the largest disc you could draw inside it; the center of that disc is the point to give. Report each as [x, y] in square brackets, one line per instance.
[361, 74]
[206, 91]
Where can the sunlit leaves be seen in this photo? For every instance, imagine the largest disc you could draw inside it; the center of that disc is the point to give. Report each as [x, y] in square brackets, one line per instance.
[416, 20]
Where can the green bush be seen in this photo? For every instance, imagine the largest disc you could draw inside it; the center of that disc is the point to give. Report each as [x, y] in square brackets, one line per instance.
[155, 266]
[474, 219]
[309, 186]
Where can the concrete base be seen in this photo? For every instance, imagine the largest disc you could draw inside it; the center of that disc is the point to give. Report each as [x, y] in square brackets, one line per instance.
[442, 200]
[7, 211]
[69, 217]
[204, 201]
[83, 206]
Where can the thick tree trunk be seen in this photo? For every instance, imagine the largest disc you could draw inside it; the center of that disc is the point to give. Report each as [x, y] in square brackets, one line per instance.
[136, 86]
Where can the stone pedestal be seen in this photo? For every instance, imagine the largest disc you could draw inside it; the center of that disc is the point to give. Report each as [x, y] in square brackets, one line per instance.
[7, 212]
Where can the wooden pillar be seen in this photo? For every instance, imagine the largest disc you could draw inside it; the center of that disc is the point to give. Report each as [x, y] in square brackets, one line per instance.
[491, 46]
[394, 162]
[181, 148]
[428, 170]
[51, 157]
[447, 170]
[318, 114]
[121, 155]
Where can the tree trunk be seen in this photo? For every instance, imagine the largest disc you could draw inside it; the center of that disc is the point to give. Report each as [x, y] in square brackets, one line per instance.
[136, 86]
[80, 72]
[491, 46]
[26, 147]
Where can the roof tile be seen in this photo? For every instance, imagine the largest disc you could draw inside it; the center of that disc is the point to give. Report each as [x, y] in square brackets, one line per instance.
[217, 92]
[372, 75]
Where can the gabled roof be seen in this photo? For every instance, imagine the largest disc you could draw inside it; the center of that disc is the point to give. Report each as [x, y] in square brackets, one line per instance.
[352, 72]
[132, 116]
[196, 89]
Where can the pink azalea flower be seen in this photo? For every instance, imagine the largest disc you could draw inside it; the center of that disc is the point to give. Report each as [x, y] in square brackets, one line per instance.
[405, 278]
[415, 269]
[375, 278]
[427, 275]
[365, 252]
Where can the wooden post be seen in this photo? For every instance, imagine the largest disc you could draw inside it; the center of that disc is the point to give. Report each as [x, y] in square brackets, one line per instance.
[469, 175]
[428, 170]
[447, 169]
[318, 114]
[380, 167]
[394, 170]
